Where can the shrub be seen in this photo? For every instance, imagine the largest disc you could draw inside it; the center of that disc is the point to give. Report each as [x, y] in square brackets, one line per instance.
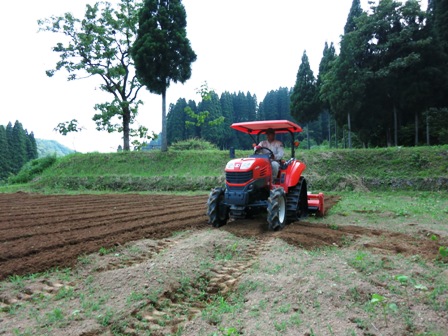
[31, 169]
[194, 143]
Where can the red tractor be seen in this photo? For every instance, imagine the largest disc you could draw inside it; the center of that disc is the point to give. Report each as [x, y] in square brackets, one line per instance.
[250, 187]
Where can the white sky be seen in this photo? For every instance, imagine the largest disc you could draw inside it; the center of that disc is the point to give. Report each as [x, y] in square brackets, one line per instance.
[241, 45]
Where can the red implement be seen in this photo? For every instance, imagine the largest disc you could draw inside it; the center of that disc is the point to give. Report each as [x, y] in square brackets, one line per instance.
[316, 204]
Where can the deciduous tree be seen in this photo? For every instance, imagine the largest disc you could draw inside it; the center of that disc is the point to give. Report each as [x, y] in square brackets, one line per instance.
[98, 45]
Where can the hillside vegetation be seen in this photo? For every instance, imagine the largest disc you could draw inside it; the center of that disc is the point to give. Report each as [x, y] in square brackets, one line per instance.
[52, 147]
[419, 168]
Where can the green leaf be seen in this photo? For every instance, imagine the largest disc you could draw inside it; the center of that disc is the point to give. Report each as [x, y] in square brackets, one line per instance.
[443, 250]
[403, 279]
[393, 307]
[421, 287]
[376, 298]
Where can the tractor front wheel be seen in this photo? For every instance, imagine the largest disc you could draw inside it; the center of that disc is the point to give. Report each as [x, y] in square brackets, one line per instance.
[217, 211]
[277, 209]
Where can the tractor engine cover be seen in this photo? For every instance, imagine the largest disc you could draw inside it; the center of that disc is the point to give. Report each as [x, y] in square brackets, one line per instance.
[247, 179]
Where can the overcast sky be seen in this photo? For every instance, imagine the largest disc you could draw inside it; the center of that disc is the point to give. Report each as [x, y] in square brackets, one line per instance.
[241, 45]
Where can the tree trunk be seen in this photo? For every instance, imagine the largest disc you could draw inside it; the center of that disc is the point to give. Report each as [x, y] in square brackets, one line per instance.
[308, 135]
[395, 127]
[329, 130]
[416, 128]
[164, 145]
[335, 134]
[349, 132]
[427, 128]
[126, 121]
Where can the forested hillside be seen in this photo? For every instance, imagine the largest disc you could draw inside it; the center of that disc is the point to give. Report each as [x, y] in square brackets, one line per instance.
[51, 147]
[388, 86]
[17, 147]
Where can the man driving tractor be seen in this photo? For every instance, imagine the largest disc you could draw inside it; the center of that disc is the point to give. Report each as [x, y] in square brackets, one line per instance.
[275, 146]
[249, 187]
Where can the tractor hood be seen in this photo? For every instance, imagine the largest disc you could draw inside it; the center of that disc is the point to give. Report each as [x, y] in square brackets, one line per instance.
[247, 164]
[244, 170]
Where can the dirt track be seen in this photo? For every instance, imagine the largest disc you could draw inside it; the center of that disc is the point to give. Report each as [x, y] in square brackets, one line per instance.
[40, 232]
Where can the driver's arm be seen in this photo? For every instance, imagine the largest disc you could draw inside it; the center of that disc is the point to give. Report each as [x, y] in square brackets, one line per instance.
[261, 144]
[279, 151]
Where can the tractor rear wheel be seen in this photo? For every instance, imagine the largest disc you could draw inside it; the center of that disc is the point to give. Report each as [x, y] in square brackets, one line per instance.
[217, 211]
[297, 202]
[277, 209]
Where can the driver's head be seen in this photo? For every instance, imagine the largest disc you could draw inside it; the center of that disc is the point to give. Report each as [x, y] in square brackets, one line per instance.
[270, 134]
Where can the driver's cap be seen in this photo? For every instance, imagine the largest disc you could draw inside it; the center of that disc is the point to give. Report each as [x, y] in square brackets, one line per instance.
[270, 131]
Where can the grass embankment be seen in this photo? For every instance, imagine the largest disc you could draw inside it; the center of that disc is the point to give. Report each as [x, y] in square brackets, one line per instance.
[421, 168]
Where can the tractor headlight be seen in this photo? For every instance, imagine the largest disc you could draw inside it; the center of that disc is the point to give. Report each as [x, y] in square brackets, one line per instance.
[246, 164]
[230, 165]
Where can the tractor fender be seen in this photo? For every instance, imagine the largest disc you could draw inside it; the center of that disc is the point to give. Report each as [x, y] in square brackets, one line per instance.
[293, 173]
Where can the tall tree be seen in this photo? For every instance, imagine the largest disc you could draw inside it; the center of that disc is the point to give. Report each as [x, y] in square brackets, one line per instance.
[398, 45]
[17, 147]
[438, 27]
[31, 146]
[244, 110]
[162, 51]
[418, 84]
[98, 45]
[175, 121]
[344, 86]
[304, 103]
[328, 58]
[439, 10]
[212, 129]
[5, 158]
[276, 105]
[351, 26]
[226, 101]
[355, 12]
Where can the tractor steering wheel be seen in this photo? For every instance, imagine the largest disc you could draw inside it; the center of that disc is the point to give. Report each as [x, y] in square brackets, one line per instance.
[271, 153]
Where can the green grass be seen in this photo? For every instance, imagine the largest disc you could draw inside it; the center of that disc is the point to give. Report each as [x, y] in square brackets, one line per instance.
[32, 169]
[145, 164]
[417, 168]
[399, 211]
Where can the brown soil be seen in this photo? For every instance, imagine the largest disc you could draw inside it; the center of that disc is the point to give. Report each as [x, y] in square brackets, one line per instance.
[38, 232]
[170, 273]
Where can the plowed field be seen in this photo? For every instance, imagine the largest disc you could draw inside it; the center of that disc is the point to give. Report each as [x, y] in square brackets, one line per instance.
[38, 232]
[151, 265]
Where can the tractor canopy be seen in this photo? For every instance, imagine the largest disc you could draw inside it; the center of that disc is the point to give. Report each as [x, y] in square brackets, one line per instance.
[260, 127]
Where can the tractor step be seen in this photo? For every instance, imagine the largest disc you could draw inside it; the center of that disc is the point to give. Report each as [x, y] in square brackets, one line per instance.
[316, 203]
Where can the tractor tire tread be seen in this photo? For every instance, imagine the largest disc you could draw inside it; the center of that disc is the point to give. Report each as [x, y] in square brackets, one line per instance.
[214, 201]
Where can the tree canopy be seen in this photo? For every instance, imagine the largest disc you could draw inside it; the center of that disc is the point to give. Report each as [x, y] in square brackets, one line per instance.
[99, 45]
[17, 147]
[162, 51]
[304, 105]
[386, 75]
[388, 85]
